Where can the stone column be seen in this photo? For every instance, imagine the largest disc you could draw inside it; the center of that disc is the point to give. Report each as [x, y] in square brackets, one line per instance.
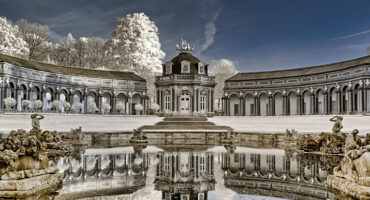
[222, 105]
[285, 105]
[157, 97]
[1, 96]
[312, 104]
[197, 100]
[18, 106]
[270, 106]
[326, 104]
[161, 100]
[256, 106]
[114, 102]
[241, 106]
[71, 98]
[84, 96]
[209, 101]
[338, 102]
[178, 103]
[173, 99]
[212, 100]
[359, 99]
[130, 105]
[349, 101]
[366, 100]
[100, 103]
[299, 105]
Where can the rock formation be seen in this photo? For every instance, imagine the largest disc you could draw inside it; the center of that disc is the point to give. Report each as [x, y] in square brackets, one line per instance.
[327, 143]
[352, 176]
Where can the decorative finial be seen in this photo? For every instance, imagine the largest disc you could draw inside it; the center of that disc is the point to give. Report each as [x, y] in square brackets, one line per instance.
[185, 47]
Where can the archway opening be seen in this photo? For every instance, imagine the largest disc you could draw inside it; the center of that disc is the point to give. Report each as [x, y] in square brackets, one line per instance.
[278, 104]
[263, 99]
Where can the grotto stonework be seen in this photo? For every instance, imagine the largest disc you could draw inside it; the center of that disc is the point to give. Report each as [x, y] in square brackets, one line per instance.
[27, 161]
[327, 143]
[352, 177]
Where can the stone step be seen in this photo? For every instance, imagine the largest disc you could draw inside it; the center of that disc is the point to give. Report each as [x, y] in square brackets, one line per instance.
[183, 127]
[185, 119]
[186, 123]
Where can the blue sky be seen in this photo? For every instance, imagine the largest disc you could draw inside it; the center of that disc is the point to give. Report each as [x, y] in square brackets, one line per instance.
[256, 35]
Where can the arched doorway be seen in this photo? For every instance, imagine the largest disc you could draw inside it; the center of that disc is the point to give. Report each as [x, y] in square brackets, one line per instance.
[306, 103]
[333, 101]
[22, 95]
[106, 100]
[121, 104]
[263, 99]
[136, 99]
[91, 102]
[319, 101]
[292, 105]
[185, 102]
[76, 101]
[278, 102]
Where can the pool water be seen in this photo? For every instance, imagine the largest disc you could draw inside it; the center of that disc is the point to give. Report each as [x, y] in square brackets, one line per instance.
[188, 171]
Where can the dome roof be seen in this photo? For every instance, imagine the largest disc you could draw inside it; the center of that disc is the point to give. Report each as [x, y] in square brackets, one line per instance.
[185, 56]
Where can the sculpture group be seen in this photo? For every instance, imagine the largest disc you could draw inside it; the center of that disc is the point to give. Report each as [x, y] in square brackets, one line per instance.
[352, 177]
[27, 160]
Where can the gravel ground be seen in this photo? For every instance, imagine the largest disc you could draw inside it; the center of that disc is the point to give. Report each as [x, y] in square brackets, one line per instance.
[114, 123]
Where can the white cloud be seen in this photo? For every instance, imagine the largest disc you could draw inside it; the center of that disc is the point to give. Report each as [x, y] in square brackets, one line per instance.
[352, 35]
[209, 33]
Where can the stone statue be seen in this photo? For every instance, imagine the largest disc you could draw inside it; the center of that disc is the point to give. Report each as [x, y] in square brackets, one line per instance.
[354, 169]
[138, 136]
[36, 121]
[338, 125]
[290, 136]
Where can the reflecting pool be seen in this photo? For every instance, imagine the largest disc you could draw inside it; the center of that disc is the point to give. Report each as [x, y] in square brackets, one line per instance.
[188, 171]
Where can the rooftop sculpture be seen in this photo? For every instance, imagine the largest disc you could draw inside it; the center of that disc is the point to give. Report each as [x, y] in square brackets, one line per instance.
[185, 47]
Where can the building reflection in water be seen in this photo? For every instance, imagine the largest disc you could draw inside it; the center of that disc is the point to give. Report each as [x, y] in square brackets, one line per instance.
[104, 172]
[270, 172]
[194, 172]
[185, 174]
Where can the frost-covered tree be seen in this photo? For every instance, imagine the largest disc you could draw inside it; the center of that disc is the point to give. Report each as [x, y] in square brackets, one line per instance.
[92, 52]
[65, 52]
[138, 107]
[222, 69]
[135, 43]
[37, 104]
[9, 102]
[66, 105]
[11, 42]
[77, 106]
[26, 104]
[135, 46]
[36, 37]
[120, 106]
